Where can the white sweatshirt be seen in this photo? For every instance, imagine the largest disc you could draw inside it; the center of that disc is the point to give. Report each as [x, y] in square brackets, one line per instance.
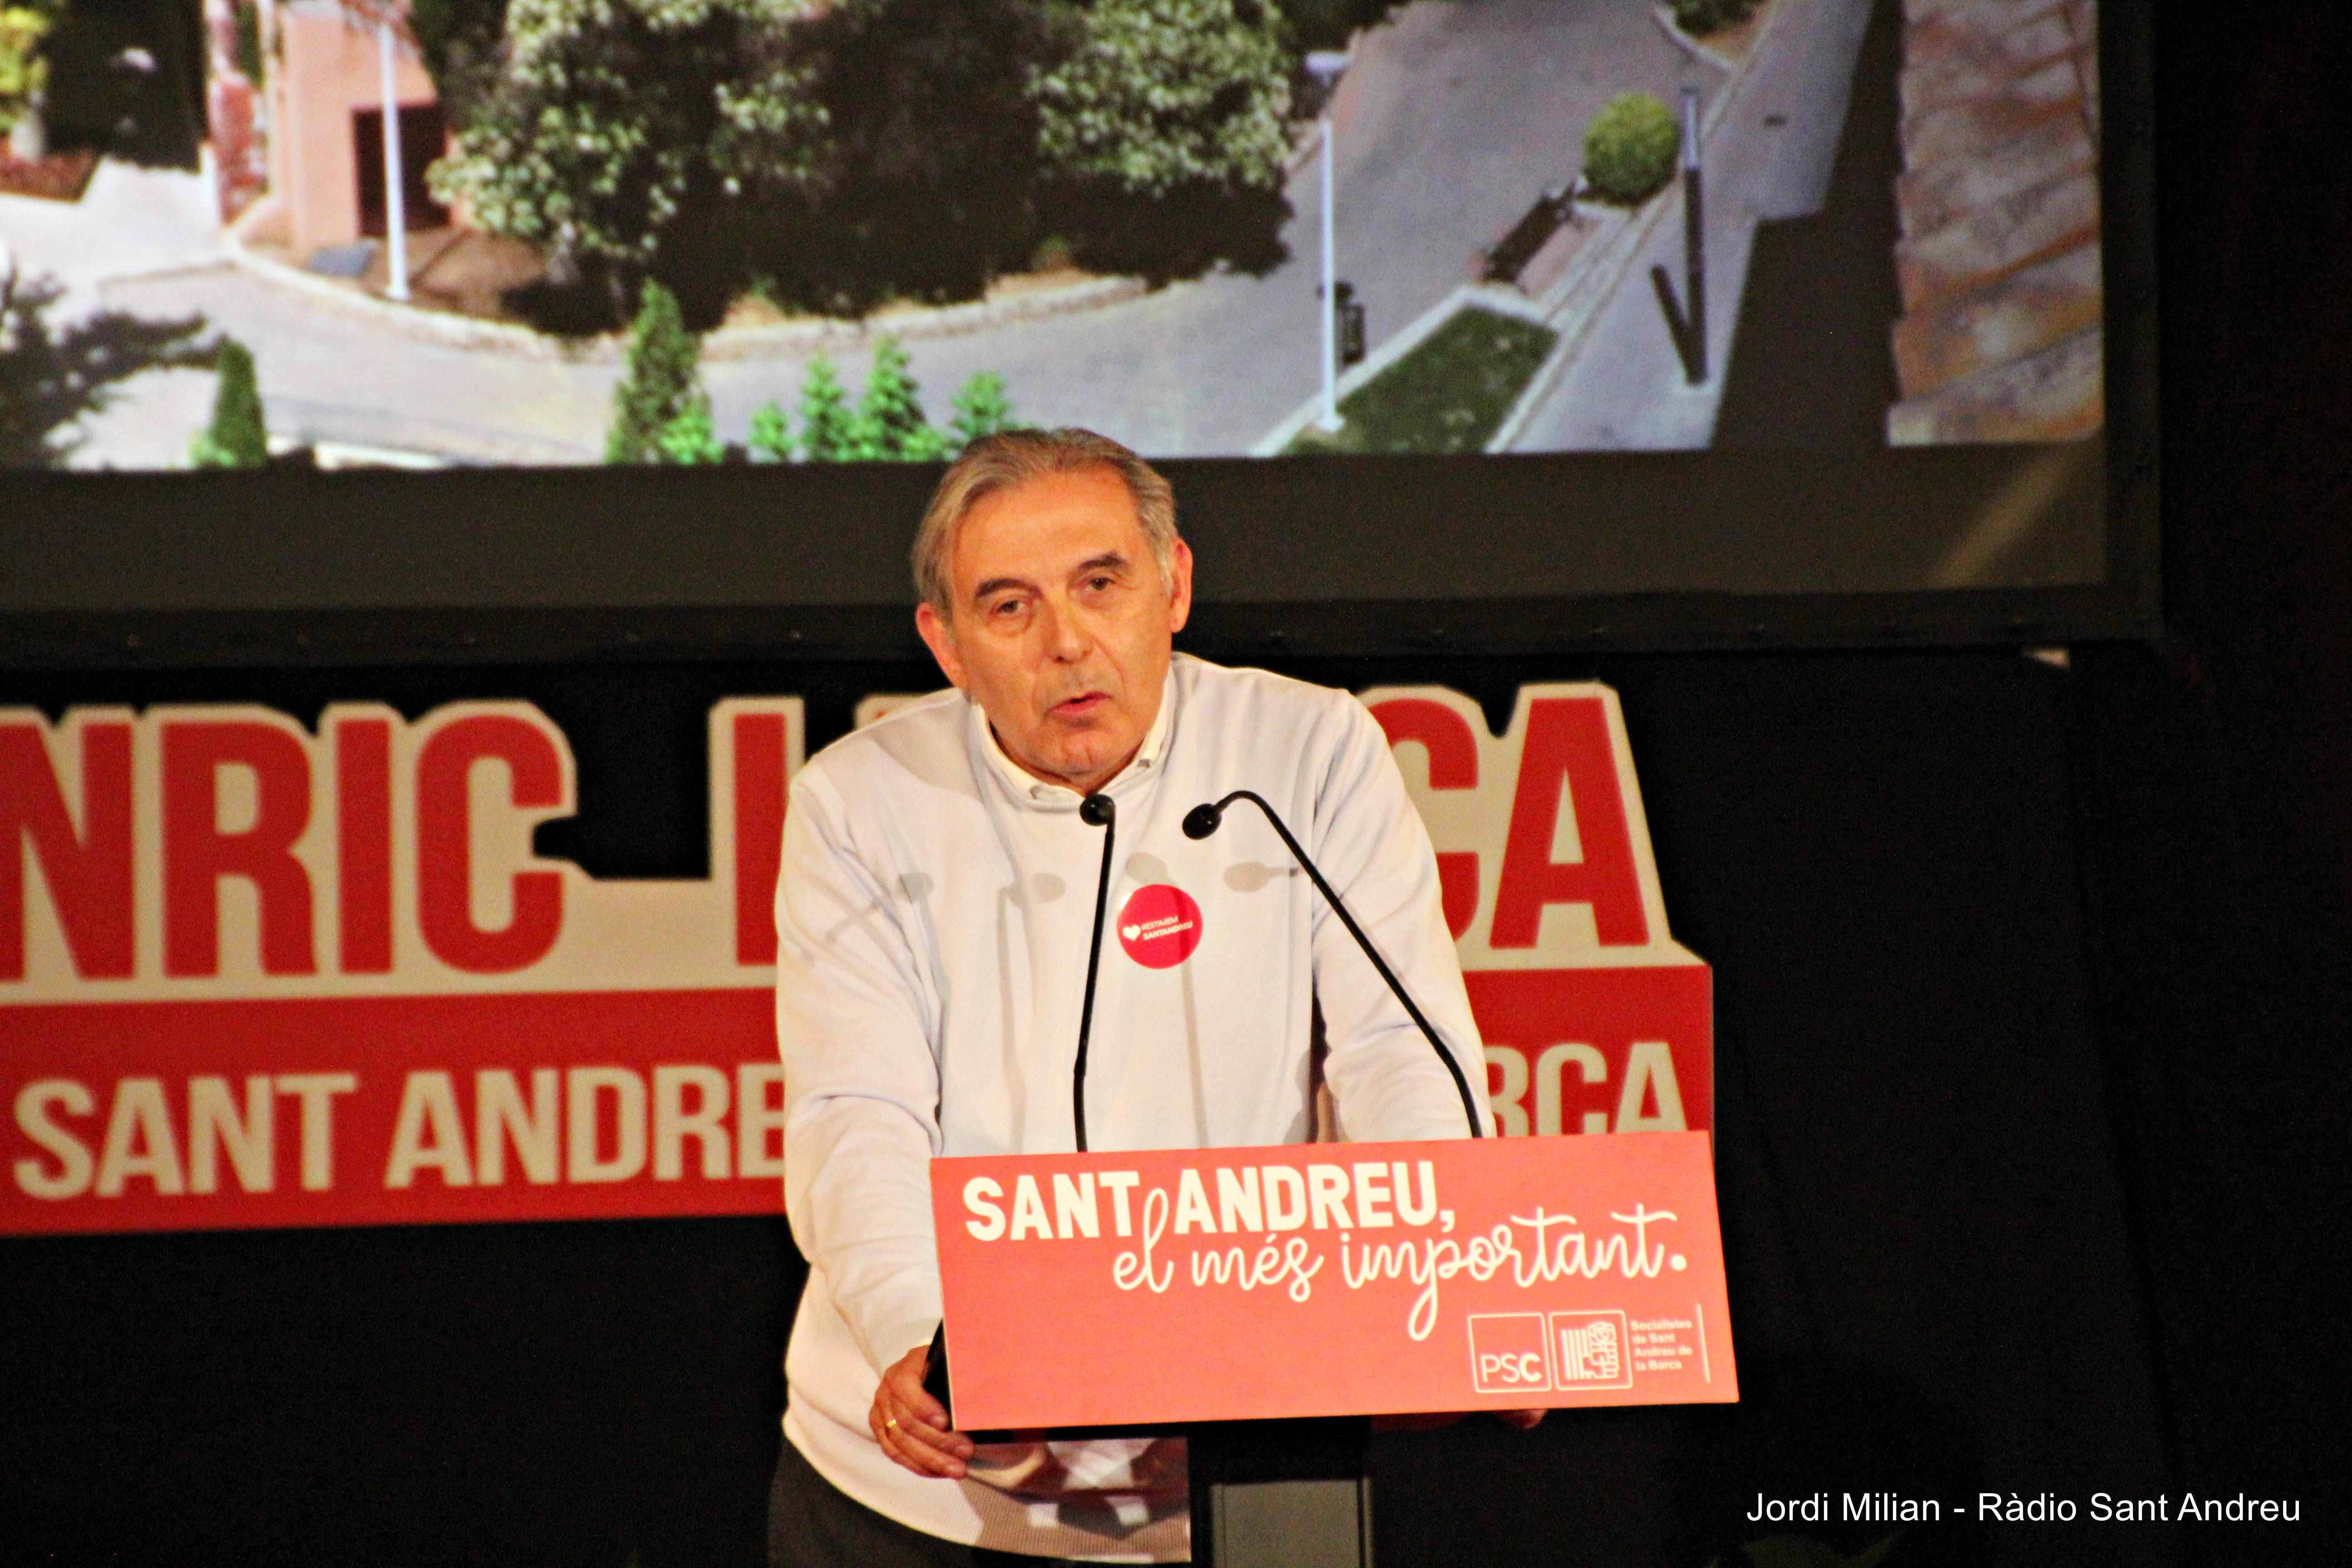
[933, 913]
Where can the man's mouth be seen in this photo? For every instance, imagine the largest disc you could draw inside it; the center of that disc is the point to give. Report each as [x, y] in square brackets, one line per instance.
[1084, 705]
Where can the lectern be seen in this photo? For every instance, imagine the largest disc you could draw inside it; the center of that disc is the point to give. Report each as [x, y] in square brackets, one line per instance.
[1265, 1302]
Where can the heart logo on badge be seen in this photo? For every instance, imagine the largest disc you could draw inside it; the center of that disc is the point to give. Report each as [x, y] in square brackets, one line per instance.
[1161, 926]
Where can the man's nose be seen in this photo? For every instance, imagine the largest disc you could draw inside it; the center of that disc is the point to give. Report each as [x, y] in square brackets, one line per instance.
[1066, 637]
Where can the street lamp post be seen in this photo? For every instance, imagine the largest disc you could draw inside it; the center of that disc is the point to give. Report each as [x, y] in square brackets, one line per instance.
[1686, 318]
[395, 208]
[1325, 66]
[1693, 238]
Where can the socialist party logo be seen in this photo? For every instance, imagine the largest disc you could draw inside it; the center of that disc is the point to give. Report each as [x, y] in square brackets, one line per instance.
[1160, 926]
[1591, 1350]
[1523, 1353]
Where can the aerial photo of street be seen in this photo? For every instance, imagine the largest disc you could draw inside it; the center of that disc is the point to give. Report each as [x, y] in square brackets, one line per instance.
[779, 232]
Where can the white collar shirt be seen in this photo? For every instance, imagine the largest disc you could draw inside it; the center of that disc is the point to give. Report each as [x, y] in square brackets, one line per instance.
[933, 915]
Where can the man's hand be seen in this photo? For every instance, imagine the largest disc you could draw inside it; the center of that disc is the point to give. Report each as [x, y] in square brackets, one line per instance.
[912, 1426]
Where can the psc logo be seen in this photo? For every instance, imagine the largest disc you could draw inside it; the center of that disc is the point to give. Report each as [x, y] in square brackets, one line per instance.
[1509, 1353]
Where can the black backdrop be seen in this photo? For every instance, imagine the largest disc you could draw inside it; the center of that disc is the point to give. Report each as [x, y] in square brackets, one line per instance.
[2032, 1005]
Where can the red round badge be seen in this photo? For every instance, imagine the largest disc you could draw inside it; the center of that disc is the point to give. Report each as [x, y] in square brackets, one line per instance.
[1161, 926]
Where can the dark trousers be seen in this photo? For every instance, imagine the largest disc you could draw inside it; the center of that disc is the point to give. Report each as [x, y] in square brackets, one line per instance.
[813, 1524]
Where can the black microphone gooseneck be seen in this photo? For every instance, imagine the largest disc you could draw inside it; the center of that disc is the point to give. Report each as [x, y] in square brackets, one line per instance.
[1096, 811]
[1205, 818]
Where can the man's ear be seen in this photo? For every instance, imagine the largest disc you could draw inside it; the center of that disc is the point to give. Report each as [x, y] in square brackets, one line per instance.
[939, 637]
[1180, 586]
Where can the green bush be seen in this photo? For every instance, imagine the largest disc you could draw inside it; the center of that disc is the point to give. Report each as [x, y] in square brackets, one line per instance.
[828, 427]
[1162, 95]
[1700, 17]
[600, 122]
[237, 436]
[690, 437]
[770, 437]
[22, 69]
[981, 408]
[891, 427]
[664, 381]
[1630, 149]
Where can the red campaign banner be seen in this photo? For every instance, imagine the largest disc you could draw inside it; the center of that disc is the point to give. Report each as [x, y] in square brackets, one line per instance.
[1597, 1050]
[179, 1115]
[1335, 1279]
[255, 975]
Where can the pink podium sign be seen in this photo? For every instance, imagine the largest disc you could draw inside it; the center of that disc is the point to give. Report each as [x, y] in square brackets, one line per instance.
[1332, 1279]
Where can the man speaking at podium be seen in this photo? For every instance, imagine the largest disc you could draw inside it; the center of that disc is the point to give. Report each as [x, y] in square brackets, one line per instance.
[935, 914]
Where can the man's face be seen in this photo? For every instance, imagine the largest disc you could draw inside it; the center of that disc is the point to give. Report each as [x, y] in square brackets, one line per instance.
[1061, 627]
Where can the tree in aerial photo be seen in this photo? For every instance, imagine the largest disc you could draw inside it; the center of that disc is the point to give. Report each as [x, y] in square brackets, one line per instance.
[612, 130]
[844, 156]
[661, 411]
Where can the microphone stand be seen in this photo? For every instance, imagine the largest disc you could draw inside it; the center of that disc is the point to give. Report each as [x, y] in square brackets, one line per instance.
[1205, 818]
[1096, 811]
[1280, 1492]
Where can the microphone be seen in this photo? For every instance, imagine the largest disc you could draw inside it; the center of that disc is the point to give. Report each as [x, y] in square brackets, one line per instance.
[1207, 817]
[1097, 810]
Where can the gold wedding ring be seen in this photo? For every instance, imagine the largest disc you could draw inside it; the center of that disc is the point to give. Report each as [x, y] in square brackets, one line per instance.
[890, 1424]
